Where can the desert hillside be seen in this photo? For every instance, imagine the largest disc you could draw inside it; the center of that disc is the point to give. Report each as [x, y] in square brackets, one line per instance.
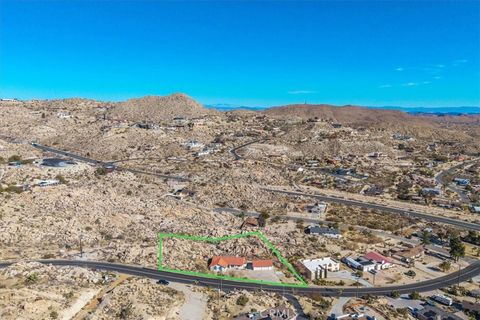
[158, 108]
[352, 115]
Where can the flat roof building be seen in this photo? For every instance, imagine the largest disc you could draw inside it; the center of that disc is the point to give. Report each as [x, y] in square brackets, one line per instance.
[317, 268]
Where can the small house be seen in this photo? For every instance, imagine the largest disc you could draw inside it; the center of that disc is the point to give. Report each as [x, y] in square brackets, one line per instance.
[317, 208]
[324, 231]
[461, 182]
[381, 261]
[223, 263]
[262, 265]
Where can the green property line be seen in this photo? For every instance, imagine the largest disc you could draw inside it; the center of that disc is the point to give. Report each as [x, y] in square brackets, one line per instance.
[258, 234]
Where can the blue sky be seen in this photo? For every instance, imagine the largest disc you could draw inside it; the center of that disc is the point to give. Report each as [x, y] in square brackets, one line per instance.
[407, 53]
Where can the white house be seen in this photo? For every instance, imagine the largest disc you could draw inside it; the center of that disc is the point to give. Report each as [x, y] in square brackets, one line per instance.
[317, 268]
[46, 183]
[222, 263]
[194, 144]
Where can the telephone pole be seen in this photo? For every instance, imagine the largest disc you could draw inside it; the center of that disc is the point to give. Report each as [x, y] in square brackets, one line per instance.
[81, 247]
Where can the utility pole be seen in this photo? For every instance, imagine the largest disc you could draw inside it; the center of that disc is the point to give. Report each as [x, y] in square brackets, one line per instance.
[458, 277]
[81, 247]
[357, 283]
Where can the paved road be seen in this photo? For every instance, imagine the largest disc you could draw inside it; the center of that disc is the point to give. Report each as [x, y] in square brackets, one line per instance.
[415, 242]
[98, 162]
[454, 222]
[227, 285]
[233, 151]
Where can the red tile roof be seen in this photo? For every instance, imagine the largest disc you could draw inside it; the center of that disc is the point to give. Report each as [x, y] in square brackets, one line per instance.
[377, 257]
[262, 263]
[225, 261]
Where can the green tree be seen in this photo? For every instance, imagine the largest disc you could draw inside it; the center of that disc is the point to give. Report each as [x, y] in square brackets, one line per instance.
[395, 294]
[415, 295]
[445, 266]
[457, 248]
[425, 237]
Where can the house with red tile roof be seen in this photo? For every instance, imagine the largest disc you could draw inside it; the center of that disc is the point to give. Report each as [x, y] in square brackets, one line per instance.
[381, 261]
[222, 263]
[262, 264]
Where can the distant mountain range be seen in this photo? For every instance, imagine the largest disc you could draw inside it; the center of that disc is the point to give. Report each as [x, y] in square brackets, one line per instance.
[411, 110]
[229, 107]
[434, 110]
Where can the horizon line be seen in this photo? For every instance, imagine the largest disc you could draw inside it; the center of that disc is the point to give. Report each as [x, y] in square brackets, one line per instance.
[234, 106]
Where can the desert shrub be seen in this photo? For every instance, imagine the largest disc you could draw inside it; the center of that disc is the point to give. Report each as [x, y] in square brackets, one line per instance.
[32, 278]
[14, 158]
[61, 178]
[242, 300]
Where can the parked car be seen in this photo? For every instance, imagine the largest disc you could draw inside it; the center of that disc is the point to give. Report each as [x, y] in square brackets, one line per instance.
[163, 282]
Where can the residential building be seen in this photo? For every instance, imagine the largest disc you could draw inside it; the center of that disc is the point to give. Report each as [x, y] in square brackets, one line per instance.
[344, 172]
[461, 181]
[318, 268]
[430, 192]
[411, 254]
[46, 183]
[434, 313]
[262, 265]
[324, 231]
[318, 208]
[373, 191]
[250, 222]
[475, 208]
[194, 144]
[352, 263]
[223, 263]
[366, 264]
[442, 299]
[381, 261]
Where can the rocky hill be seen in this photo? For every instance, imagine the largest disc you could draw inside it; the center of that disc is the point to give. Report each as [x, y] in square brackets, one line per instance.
[157, 108]
[352, 115]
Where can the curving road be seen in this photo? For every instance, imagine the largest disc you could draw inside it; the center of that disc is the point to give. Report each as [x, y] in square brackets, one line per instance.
[424, 286]
[454, 222]
[102, 163]
[440, 179]
[233, 151]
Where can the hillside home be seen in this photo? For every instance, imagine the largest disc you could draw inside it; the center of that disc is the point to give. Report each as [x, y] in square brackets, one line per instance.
[461, 182]
[317, 208]
[409, 255]
[324, 231]
[318, 268]
[381, 261]
[223, 263]
[430, 192]
[474, 208]
[47, 183]
[262, 265]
